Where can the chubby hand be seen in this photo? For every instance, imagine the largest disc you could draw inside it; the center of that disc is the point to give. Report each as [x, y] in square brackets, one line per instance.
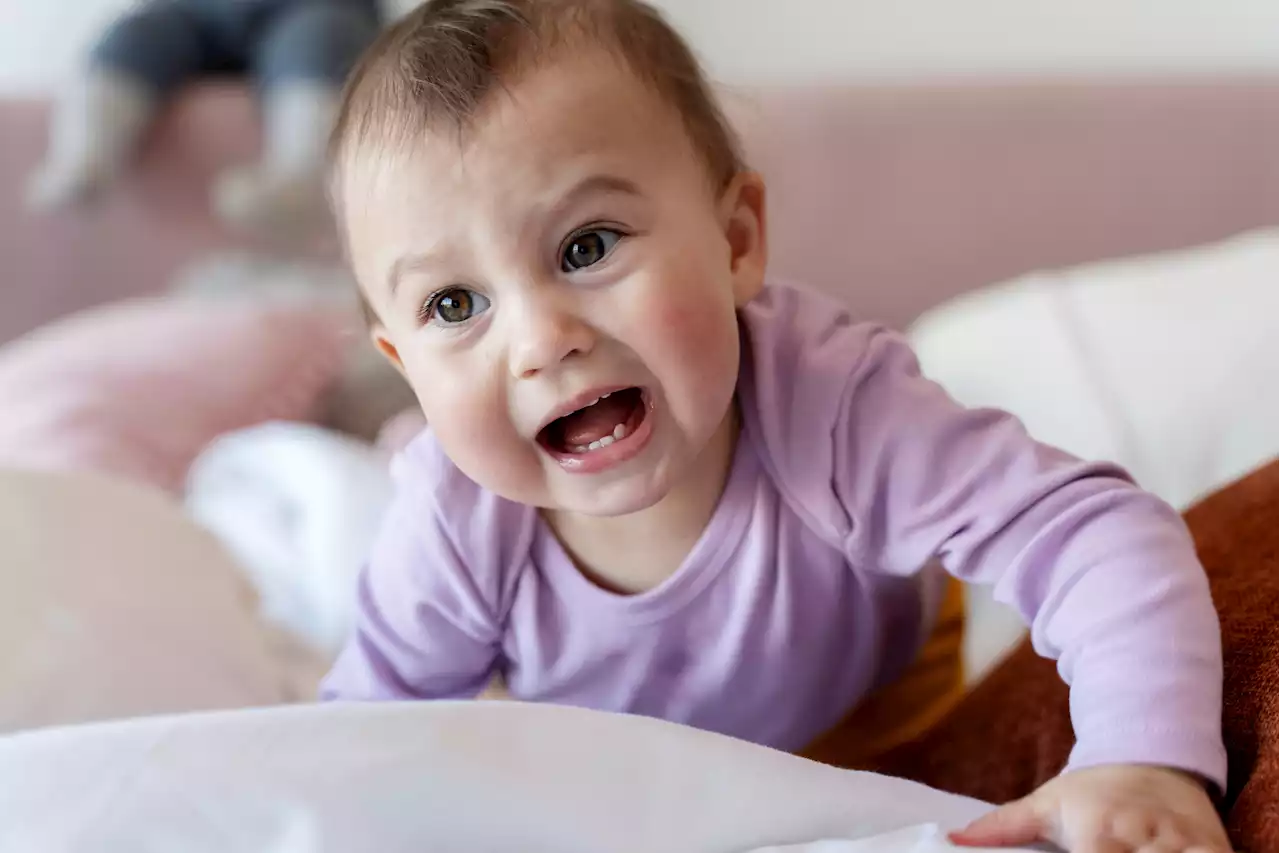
[1112, 809]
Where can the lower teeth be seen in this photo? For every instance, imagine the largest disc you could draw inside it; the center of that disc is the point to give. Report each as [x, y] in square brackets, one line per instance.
[619, 433]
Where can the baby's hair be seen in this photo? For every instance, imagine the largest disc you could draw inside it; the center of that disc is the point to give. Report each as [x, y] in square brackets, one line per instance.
[437, 64]
[434, 68]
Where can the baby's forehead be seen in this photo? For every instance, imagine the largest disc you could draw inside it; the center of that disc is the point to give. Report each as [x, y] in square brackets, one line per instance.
[562, 117]
[570, 108]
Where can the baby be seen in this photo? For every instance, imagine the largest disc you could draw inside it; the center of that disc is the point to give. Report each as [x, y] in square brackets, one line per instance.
[652, 484]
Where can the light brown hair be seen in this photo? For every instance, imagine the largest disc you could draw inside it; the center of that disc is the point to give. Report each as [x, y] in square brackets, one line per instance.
[434, 67]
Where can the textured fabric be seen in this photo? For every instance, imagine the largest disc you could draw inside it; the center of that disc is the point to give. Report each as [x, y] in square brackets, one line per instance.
[768, 632]
[139, 388]
[1013, 732]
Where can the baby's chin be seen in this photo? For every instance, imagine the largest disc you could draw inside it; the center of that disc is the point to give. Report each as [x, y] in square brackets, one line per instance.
[600, 500]
[621, 497]
[606, 507]
[605, 502]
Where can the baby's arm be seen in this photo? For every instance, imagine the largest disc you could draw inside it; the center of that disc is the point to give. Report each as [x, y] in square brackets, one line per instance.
[1105, 573]
[425, 628]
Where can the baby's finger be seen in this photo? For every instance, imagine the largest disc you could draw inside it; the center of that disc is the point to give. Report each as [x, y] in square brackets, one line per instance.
[1015, 824]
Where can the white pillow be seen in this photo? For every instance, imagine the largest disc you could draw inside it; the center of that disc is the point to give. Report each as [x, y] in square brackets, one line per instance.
[1163, 363]
[112, 604]
[481, 776]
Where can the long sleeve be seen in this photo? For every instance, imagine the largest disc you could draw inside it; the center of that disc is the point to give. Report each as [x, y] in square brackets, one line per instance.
[425, 629]
[1104, 573]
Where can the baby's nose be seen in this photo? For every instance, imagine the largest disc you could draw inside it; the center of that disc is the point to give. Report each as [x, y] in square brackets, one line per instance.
[544, 336]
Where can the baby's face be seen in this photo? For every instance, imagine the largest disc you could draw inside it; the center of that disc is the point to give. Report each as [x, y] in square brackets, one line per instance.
[559, 287]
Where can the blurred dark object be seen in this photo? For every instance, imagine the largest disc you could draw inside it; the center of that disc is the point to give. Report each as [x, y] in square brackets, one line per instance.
[295, 56]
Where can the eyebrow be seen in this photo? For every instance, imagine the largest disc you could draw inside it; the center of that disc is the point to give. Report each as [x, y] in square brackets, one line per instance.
[591, 185]
[407, 263]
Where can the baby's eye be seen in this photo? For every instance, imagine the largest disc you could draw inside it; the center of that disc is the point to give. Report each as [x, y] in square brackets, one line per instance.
[454, 305]
[587, 248]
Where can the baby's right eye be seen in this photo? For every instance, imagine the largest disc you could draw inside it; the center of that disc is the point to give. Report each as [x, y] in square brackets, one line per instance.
[452, 306]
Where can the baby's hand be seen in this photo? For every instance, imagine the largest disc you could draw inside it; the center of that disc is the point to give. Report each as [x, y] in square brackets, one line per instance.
[1111, 809]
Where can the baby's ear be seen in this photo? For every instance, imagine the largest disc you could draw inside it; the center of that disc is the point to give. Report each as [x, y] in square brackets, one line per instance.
[383, 344]
[742, 209]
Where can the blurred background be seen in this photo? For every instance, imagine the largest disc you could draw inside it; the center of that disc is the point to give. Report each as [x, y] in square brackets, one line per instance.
[1070, 207]
[804, 40]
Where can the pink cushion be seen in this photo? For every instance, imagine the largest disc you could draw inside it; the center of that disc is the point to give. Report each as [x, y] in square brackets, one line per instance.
[139, 388]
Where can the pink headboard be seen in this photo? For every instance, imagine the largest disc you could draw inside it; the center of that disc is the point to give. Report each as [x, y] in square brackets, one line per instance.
[893, 197]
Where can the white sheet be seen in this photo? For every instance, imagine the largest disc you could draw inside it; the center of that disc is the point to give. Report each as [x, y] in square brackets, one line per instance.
[925, 838]
[447, 776]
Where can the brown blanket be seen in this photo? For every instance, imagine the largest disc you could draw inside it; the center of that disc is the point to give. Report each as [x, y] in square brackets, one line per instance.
[1013, 732]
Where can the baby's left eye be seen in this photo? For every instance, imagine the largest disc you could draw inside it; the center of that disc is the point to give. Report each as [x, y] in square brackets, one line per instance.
[588, 248]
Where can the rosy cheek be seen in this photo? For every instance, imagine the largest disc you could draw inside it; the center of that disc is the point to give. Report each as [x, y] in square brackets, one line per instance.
[674, 322]
[674, 309]
[459, 414]
[475, 435]
[695, 325]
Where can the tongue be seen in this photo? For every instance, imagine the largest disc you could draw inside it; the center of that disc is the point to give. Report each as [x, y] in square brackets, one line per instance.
[595, 421]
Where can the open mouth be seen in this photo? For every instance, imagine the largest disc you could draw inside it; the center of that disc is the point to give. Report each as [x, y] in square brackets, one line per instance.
[610, 419]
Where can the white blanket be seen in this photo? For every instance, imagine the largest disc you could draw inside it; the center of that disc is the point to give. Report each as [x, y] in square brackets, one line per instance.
[442, 776]
[298, 506]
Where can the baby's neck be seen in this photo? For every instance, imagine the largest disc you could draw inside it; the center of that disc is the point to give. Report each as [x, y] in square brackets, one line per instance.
[636, 552]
